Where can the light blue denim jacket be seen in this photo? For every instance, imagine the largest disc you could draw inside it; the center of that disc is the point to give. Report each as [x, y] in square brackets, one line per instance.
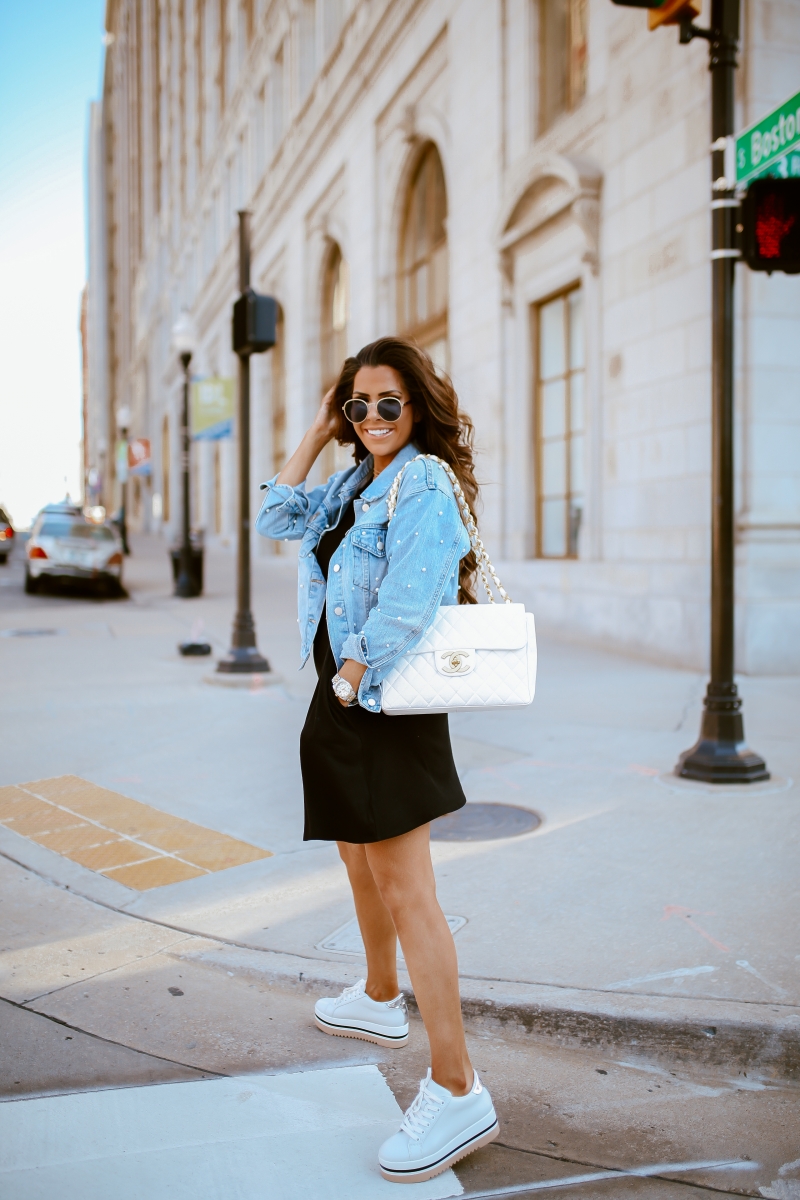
[384, 583]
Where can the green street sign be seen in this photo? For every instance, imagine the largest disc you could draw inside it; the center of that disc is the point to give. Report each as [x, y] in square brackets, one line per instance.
[772, 145]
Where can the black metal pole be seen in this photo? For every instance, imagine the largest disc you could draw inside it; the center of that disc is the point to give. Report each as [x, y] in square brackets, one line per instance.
[243, 656]
[720, 755]
[185, 585]
[123, 507]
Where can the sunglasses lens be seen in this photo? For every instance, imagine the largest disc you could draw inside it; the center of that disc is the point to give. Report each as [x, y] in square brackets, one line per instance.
[355, 411]
[389, 409]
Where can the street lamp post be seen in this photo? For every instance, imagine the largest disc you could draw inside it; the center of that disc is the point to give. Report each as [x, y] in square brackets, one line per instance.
[183, 341]
[721, 754]
[123, 424]
[253, 333]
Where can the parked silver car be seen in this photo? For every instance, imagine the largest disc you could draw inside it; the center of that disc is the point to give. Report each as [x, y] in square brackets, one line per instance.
[65, 545]
[6, 535]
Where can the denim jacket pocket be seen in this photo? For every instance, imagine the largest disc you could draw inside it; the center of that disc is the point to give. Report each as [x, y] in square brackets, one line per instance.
[369, 556]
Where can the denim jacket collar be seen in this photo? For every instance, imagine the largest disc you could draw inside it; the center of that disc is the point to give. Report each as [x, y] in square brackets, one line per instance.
[351, 485]
[381, 484]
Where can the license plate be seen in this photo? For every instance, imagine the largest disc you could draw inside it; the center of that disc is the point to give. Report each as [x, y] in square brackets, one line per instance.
[76, 559]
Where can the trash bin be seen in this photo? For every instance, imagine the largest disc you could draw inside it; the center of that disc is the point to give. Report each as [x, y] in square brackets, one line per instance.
[195, 565]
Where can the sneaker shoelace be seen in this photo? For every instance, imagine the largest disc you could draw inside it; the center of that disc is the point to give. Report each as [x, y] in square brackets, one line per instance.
[351, 993]
[419, 1117]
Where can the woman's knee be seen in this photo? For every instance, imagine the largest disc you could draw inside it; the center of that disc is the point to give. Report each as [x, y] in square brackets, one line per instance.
[351, 853]
[401, 891]
[355, 860]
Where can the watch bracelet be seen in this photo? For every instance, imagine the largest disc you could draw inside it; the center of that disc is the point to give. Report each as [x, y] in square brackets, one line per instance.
[352, 699]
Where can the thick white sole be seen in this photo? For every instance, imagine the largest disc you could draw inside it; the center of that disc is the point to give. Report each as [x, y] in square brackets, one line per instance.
[482, 1139]
[364, 1035]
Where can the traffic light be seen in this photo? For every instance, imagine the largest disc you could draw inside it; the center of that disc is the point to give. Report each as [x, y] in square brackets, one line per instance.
[771, 225]
[664, 12]
[255, 320]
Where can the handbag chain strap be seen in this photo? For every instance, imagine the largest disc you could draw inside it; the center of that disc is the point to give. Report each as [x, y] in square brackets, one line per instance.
[481, 554]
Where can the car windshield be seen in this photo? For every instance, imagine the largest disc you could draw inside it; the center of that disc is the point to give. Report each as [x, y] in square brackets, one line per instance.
[62, 527]
[4, 518]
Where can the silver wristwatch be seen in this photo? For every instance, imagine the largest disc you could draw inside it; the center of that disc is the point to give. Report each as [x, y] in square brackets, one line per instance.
[343, 691]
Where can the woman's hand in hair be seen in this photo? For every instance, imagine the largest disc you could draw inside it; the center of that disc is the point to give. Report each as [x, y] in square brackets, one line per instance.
[326, 422]
[315, 439]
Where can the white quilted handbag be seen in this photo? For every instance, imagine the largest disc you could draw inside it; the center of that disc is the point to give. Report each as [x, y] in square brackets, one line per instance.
[472, 655]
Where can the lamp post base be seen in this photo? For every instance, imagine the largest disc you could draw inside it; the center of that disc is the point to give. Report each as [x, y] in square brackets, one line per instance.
[721, 754]
[721, 762]
[243, 660]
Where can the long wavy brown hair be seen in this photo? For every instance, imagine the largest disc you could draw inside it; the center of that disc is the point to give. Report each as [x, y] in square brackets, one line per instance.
[442, 427]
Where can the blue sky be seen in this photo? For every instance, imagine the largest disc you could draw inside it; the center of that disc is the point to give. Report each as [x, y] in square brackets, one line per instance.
[50, 69]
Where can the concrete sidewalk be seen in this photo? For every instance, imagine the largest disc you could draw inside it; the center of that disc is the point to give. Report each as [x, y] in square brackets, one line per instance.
[644, 912]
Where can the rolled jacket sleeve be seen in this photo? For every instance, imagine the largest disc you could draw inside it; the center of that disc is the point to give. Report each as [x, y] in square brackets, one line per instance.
[425, 541]
[286, 510]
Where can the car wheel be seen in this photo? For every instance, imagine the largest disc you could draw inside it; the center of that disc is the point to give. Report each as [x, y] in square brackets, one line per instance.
[3, 557]
[31, 584]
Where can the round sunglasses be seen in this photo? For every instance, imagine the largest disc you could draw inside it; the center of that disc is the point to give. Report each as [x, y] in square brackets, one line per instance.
[389, 408]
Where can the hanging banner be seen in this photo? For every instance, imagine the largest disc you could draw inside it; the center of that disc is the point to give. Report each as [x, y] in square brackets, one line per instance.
[139, 456]
[212, 407]
[121, 461]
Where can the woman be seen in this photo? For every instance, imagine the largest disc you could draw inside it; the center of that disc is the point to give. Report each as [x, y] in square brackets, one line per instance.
[372, 783]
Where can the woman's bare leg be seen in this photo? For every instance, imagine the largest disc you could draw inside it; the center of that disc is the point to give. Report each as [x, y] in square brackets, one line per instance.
[375, 923]
[402, 869]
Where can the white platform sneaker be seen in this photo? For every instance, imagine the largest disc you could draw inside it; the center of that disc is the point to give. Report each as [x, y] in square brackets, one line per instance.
[354, 1014]
[438, 1130]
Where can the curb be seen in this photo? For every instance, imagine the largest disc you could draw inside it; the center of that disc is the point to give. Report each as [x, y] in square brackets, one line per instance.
[719, 1034]
[727, 1035]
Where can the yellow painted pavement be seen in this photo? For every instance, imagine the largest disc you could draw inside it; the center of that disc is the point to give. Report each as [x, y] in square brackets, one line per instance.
[120, 838]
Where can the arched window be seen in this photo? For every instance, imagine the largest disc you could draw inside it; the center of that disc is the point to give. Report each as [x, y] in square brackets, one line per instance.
[333, 341]
[422, 269]
[333, 326]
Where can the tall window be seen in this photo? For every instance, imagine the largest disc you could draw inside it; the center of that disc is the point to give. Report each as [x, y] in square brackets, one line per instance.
[559, 425]
[278, 397]
[562, 58]
[307, 47]
[333, 326]
[165, 469]
[422, 269]
[333, 341]
[276, 98]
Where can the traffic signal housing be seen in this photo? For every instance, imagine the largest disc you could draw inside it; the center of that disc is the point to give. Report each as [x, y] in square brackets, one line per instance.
[255, 322]
[771, 225]
[665, 12]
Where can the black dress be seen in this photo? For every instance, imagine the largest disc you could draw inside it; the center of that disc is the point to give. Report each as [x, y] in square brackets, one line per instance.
[366, 776]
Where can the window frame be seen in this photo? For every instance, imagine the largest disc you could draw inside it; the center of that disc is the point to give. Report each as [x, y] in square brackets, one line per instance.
[434, 327]
[332, 340]
[572, 542]
[574, 72]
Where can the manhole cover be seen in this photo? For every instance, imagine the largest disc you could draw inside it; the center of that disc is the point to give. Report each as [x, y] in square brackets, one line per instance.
[484, 823]
[29, 632]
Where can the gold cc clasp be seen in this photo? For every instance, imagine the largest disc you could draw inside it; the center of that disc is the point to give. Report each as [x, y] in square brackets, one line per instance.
[455, 662]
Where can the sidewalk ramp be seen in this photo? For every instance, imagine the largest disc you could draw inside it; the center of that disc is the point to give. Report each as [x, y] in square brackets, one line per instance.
[115, 836]
[310, 1134]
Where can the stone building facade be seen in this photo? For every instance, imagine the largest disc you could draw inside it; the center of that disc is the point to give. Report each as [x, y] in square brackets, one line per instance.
[523, 186]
